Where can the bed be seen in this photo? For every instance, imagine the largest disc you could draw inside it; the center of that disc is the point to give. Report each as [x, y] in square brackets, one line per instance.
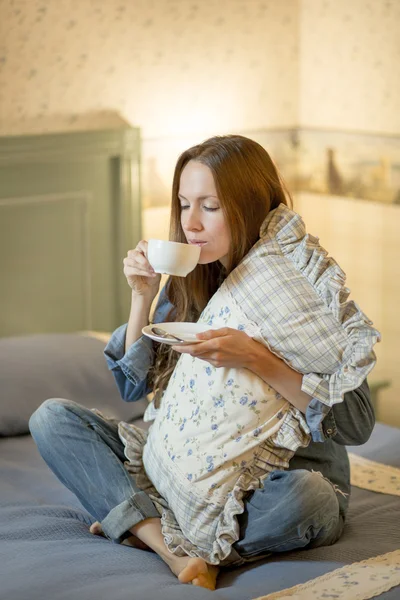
[46, 550]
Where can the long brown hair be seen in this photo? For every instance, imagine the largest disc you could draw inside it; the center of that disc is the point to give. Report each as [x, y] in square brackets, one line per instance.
[248, 187]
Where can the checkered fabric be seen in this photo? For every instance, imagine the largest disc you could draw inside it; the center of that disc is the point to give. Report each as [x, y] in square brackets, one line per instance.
[296, 296]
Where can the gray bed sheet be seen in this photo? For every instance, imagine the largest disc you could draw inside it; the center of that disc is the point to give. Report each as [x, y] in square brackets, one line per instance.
[47, 552]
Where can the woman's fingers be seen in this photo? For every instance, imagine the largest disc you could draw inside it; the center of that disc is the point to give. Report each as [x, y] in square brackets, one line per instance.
[131, 264]
[135, 272]
[195, 349]
[215, 333]
[137, 265]
[137, 258]
[136, 254]
[142, 264]
[141, 248]
[208, 355]
[139, 273]
[225, 347]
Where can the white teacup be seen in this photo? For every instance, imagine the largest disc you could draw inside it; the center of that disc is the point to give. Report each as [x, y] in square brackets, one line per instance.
[172, 258]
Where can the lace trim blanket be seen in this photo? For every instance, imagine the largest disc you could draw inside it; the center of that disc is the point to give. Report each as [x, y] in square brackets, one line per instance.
[358, 581]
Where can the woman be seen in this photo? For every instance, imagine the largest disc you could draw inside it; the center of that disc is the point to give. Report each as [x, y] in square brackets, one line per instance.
[223, 190]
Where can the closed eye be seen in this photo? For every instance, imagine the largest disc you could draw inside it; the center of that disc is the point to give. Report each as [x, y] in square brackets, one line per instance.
[207, 208]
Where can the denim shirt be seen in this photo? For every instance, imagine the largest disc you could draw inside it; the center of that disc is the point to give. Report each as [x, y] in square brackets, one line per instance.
[348, 423]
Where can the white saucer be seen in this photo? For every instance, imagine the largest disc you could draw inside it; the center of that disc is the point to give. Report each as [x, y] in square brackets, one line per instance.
[186, 331]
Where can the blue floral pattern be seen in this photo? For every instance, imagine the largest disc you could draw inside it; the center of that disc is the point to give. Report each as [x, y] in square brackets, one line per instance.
[216, 418]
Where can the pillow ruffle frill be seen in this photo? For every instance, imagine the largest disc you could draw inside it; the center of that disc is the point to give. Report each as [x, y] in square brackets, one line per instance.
[296, 296]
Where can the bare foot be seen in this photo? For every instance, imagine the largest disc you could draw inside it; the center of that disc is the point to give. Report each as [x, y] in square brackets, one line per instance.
[187, 569]
[132, 540]
[96, 529]
[195, 571]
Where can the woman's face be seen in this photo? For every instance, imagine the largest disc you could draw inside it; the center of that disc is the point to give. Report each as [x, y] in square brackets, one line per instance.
[202, 218]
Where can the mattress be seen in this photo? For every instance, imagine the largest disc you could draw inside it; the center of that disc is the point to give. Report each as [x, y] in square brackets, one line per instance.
[46, 550]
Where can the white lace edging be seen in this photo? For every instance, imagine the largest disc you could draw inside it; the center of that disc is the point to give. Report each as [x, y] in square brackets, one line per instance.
[358, 581]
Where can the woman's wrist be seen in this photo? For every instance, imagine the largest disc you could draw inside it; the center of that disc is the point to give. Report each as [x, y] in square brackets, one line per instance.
[261, 361]
[138, 318]
[142, 300]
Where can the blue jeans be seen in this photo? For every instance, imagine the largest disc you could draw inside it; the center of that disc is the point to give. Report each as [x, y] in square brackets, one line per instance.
[294, 509]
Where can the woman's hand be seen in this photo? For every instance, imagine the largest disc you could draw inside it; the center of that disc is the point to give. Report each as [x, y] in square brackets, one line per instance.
[139, 273]
[224, 347]
[234, 349]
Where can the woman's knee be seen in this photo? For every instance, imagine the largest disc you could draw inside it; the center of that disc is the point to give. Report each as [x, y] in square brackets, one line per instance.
[309, 492]
[46, 417]
[312, 483]
[293, 509]
[321, 510]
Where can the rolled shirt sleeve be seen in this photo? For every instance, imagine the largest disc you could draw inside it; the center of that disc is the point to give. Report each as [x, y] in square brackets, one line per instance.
[348, 423]
[131, 368]
[138, 359]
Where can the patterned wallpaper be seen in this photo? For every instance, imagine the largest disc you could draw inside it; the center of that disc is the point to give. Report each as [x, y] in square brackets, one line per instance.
[168, 66]
[350, 57]
[184, 69]
[173, 67]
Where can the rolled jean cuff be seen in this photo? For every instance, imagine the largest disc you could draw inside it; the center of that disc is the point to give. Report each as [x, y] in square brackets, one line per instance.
[127, 514]
[233, 560]
[239, 560]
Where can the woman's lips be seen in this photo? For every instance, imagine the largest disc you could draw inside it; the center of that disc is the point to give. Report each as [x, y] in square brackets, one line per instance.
[197, 242]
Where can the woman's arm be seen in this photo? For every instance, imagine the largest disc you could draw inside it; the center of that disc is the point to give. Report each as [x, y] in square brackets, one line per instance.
[348, 423]
[130, 368]
[228, 347]
[278, 375]
[130, 361]
[129, 354]
[138, 318]
[144, 283]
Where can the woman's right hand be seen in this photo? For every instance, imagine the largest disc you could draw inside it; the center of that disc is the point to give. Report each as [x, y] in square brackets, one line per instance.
[139, 273]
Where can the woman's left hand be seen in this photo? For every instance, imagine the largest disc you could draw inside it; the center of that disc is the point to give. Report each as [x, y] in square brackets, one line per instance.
[224, 347]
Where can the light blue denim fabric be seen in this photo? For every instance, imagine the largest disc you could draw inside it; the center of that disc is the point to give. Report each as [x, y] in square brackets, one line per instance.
[86, 454]
[295, 509]
[130, 370]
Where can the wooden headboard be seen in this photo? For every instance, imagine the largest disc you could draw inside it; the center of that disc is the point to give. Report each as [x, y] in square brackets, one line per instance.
[69, 211]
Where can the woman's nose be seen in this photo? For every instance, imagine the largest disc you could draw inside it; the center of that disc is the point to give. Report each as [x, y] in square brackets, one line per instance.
[192, 221]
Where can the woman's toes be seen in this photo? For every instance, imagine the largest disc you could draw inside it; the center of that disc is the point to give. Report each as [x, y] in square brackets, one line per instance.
[96, 528]
[199, 573]
[193, 568]
[203, 581]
